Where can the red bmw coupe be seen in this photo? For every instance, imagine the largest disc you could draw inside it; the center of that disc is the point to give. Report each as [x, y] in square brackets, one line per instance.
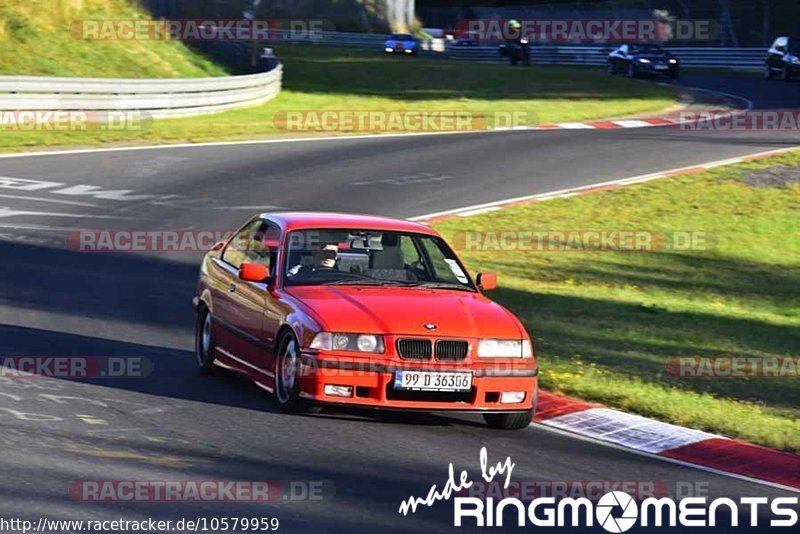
[363, 311]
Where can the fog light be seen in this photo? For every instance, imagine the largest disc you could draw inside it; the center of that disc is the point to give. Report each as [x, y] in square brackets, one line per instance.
[339, 391]
[512, 397]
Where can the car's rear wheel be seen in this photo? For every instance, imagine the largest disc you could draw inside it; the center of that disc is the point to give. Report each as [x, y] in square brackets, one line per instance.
[509, 421]
[631, 72]
[204, 341]
[287, 372]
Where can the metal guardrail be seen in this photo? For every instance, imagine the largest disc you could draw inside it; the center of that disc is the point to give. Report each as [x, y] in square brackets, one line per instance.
[159, 98]
[733, 58]
[356, 40]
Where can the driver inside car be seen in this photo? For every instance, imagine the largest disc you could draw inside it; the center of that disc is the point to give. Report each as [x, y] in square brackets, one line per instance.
[321, 259]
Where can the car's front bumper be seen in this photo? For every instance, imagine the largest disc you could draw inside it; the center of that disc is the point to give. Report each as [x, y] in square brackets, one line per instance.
[372, 384]
[655, 69]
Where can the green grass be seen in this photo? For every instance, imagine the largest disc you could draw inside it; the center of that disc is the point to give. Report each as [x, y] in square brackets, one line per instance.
[604, 323]
[319, 78]
[35, 39]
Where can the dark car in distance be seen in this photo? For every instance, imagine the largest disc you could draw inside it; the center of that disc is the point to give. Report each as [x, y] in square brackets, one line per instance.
[642, 59]
[783, 58]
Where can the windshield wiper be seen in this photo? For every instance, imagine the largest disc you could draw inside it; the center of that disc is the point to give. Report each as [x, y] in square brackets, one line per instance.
[366, 282]
[443, 285]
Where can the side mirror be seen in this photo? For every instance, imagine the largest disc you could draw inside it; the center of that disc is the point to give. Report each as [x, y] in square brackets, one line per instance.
[487, 281]
[253, 272]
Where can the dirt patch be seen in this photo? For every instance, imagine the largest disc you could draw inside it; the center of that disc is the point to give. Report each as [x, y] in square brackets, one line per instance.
[778, 176]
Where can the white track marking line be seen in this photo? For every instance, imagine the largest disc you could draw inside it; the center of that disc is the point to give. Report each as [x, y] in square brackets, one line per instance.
[747, 102]
[41, 227]
[234, 143]
[573, 435]
[561, 193]
[8, 212]
[478, 211]
[54, 201]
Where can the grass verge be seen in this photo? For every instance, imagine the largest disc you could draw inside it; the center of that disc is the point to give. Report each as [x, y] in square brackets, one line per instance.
[605, 323]
[35, 39]
[319, 79]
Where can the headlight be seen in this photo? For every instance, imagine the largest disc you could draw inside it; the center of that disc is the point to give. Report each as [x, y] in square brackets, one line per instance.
[673, 60]
[504, 348]
[644, 60]
[387, 48]
[794, 59]
[350, 342]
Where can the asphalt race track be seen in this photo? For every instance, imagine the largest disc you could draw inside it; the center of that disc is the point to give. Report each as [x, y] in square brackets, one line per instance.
[177, 425]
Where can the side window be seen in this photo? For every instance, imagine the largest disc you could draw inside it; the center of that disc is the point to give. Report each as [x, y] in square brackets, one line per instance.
[623, 49]
[236, 252]
[263, 247]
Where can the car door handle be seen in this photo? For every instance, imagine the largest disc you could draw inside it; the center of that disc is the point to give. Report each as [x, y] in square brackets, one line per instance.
[232, 288]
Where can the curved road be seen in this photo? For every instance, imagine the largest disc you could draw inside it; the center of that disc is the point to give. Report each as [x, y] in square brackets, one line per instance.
[178, 425]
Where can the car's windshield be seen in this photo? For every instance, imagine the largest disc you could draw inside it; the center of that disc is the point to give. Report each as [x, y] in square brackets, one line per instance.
[401, 37]
[793, 46]
[646, 49]
[371, 257]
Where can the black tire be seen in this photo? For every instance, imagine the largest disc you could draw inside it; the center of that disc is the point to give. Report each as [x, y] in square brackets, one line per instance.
[673, 74]
[631, 72]
[287, 364]
[509, 421]
[785, 74]
[204, 348]
[611, 69]
[767, 72]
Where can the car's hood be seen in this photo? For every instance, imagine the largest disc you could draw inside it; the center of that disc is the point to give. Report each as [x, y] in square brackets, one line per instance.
[406, 311]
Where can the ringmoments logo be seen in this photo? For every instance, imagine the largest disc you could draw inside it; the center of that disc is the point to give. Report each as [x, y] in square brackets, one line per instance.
[615, 511]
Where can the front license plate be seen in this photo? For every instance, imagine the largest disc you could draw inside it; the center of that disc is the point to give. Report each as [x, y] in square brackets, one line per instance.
[432, 381]
[661, 67]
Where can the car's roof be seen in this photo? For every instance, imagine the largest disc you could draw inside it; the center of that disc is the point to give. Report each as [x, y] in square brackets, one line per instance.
[299, 220]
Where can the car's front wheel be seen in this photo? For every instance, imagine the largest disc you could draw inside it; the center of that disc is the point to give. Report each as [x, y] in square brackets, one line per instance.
[287, 373]
[509, 421]
[786, 74]
[204, 341]
[767, 72]
[612, 68]
[631, 72]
